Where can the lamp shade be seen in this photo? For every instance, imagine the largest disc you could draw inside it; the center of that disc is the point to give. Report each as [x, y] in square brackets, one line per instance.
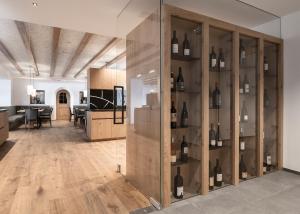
[33, 92]
[29, 89]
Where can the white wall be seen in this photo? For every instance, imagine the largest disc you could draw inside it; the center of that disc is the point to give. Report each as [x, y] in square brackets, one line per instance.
[20, 96]
[272, 28]
[5, 92]
[291, 36]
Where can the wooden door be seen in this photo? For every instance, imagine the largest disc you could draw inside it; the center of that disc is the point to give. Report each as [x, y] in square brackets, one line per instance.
[63, 105]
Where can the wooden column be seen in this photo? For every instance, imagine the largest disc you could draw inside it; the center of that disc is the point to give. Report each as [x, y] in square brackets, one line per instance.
[260, 112]
[280, 106]
[235, 108]
[205, 109]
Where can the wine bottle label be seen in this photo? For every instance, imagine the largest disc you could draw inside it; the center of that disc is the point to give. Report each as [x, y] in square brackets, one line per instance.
[264, 169]
[241, 90]
[186, 52]
[219, 177]
[247, 88]
[243, 54]
[186, 150]
[213, 142]
[246, 117]
[269, 162]
[219, 101]
[172, 83]
[173, 117]
[175, 48]
[244, 175]
[173, 159]
[172, 140]
[211, 181]
[179, 191]
[266, 67]
[242, 145]
[180, 86]
[222, 64]
[220, 143]
[213, 63]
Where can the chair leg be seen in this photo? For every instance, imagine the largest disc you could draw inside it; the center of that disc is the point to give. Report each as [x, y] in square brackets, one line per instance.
[50, 122]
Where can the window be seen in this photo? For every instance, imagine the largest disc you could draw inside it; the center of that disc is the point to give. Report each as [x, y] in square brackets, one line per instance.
[63, 98]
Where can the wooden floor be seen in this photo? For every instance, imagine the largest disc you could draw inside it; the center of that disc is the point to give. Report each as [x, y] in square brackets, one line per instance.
[54, 170]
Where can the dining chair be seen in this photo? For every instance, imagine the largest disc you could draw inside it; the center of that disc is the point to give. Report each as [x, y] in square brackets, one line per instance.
[31, 117]
[46, 115]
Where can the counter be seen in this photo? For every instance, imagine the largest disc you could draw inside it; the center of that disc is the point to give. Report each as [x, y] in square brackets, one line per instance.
[3, 126]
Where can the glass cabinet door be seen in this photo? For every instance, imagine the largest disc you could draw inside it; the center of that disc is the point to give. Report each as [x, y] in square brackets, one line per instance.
[248, 107]
[270, 107]
[185, 108]
[220, 105]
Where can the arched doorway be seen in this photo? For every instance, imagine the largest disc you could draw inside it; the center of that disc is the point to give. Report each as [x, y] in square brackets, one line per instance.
[63, 105]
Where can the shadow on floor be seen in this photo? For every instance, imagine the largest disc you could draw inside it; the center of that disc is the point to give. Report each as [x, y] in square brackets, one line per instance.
[5, 148]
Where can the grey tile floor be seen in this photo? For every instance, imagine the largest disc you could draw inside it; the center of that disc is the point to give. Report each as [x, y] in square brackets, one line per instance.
[276, 193]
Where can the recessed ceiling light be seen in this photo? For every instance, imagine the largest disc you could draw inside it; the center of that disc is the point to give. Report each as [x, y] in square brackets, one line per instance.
[34, 4]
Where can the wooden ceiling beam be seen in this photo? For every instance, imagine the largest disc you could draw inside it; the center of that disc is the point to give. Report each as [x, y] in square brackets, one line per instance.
[114, 60]
[54, 54]
[100, 54]
[10, 57]
[85, 40]
[28, 44]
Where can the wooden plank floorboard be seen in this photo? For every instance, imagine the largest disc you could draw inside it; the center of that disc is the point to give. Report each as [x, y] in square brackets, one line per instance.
[54, 170]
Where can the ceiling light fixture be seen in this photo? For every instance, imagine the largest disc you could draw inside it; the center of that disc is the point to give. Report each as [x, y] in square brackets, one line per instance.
[34, 4]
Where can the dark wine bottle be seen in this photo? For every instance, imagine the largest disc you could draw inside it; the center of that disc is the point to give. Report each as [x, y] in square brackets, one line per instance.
[243, 169]
[245, 115]
[217, 97]
[180, 81]
[219, 138]
[242, 141]
[173, 116]
[178, 185]
[269, 161]
[241, 86]
[242, 53]
[264, 167]
[172, 81]
[186, 46]
[211, 104]
[266, 64]
[175, 48]
[246, 85]
[221, 61]
[184, 150]
[212, 136]
[211, 177]
[218, 174]
[184, 116]
[213, 59]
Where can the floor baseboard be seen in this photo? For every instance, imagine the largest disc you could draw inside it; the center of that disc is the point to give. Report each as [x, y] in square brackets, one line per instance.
[291, 171]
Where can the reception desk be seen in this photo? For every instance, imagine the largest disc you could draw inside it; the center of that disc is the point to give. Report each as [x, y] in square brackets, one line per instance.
[100, 125]
[3, 126]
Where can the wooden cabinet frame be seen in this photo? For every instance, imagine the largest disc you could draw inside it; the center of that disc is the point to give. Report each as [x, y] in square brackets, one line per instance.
[169, 11]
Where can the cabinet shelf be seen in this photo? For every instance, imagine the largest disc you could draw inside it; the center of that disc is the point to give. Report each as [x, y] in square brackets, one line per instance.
[190, 160]
[248, 178]
[184, 58]
[217, 188]
[213, 148]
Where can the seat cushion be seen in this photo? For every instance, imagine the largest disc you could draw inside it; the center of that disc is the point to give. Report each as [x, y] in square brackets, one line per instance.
[15, 117]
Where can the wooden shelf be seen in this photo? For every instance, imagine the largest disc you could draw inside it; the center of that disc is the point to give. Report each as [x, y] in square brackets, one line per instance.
[184, 58]
[190, 160]
[217, 188]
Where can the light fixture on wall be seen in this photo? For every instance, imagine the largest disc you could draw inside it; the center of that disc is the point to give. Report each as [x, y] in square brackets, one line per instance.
[30, 89]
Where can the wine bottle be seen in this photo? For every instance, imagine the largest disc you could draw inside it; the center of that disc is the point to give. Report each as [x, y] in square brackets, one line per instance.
[242, 142]
[213, 59]
[242, 53]
[245, 115]
[221, 61]
[184, 150]
[172, 82]
[217, 97]
[243, 169]
[211, 105]
[211, 177]
[246, 85]
[241, 86]
[173, 151]
[173, 116]
[186, 46]
[266, 64]
[269, 161]
[264, 167]
[180, 81]
[174, 43]
[178, 185]
[219, 138]
[218, 174]
[212, 136]
[184, 116]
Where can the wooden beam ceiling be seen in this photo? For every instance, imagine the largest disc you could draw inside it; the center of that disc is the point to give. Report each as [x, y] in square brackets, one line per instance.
[54, 54]
[85, 40]
[101, 53]
[28, 44]
[10, 57]
[114, 60]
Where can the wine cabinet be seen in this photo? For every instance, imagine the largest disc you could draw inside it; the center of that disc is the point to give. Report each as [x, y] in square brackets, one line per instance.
[222, 109]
